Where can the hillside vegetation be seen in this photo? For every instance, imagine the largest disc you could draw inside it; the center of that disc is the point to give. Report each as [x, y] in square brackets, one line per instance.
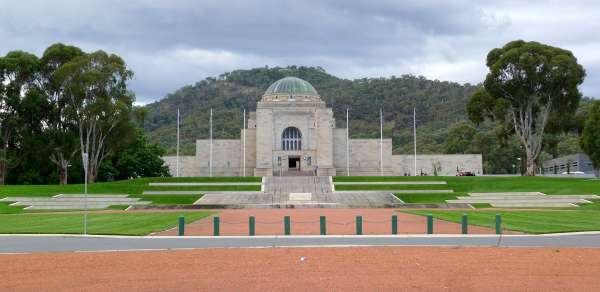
[439, 104]
[440, 107]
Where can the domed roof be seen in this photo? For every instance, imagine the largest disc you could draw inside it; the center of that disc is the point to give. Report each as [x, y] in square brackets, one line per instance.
[289, 88]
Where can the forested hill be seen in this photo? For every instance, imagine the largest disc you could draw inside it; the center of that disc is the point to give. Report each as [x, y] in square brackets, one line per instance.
[439, 105]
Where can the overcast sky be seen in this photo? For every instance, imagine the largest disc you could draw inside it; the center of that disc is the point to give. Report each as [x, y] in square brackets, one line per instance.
[174, 43]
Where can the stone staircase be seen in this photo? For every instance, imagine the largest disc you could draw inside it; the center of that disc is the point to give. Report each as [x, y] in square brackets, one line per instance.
[283, 186]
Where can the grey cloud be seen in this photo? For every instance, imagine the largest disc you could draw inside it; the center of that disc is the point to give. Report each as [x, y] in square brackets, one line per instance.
[173, 43]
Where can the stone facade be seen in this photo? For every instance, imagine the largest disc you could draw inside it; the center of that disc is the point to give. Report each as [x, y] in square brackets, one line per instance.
[315, 147]
[440, 164]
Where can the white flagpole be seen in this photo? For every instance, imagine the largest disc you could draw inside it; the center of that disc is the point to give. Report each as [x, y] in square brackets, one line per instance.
[210, 162]
[380, 141]
[415, 136]
[347, 145]
[177, 171]
[244, 144]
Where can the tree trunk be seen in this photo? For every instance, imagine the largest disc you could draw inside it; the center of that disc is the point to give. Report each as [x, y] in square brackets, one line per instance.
[2, 166]
[64, 171]
[91, 177]
[2, 170]
[530, 165]
[63, 166]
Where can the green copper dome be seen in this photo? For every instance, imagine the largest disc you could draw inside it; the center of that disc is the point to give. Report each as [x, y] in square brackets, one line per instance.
[291, 86]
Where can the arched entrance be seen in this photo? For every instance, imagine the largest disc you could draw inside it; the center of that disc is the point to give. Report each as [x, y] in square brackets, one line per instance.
[292, 159]
[291, 140]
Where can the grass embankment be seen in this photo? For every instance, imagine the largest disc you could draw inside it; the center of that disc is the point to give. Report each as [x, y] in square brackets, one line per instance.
[5, 208]
[133, 186]
[383, 187]
[547, 185]
[131, 223]
[169, 199]
[427, 198]
[463, 185]
[551, 221]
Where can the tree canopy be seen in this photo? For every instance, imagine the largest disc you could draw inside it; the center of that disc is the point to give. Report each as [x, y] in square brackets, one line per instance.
[590, 138]
[528, 84]
[64, 103]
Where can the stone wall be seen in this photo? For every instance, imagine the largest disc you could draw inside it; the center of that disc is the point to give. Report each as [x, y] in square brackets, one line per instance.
[446, 164]
[364, 155]
[226, 160]
[250, 151]
[339, 151]
[364, 159]
[188, 165]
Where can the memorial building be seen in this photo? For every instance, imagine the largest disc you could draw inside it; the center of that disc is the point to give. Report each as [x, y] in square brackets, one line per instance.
[293, 132]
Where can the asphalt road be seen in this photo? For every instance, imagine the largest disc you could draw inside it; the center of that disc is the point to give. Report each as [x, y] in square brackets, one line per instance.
[69, 243]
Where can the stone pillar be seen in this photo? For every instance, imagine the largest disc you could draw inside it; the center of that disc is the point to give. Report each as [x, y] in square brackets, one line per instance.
[324, 137]
[264, 142]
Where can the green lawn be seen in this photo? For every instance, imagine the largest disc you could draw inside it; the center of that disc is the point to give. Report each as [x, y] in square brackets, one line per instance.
[383, 186]
[134, 223]
[170, 199]
[427, 198]
[6, 209]
[552, 186]
[551, 221]
[134, 186]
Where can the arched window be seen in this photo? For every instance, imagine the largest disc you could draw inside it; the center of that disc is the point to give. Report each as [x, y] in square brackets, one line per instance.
[291, 139]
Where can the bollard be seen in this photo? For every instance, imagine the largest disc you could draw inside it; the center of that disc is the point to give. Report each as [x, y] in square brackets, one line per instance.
[287, 225]
[323, 225]
[181, 225]
[216, 224]
[251, 224]
[498, 224]
[358, 225]
[394, 224]
[465, 224]
[429, 224]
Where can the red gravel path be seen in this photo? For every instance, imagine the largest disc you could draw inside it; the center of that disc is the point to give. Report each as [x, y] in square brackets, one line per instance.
[324, 269]
[306, 222]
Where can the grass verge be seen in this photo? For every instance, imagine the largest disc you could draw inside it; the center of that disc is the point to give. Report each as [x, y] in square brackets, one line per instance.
[133, 186]
[548, 185]
[552, 221]
[426, 198]
[384, 187]
[170, 199]
[5, 208]
[133, 223]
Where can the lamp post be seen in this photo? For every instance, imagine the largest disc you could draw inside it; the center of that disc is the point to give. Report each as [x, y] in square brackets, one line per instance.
[85, 191]
[177, 170]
